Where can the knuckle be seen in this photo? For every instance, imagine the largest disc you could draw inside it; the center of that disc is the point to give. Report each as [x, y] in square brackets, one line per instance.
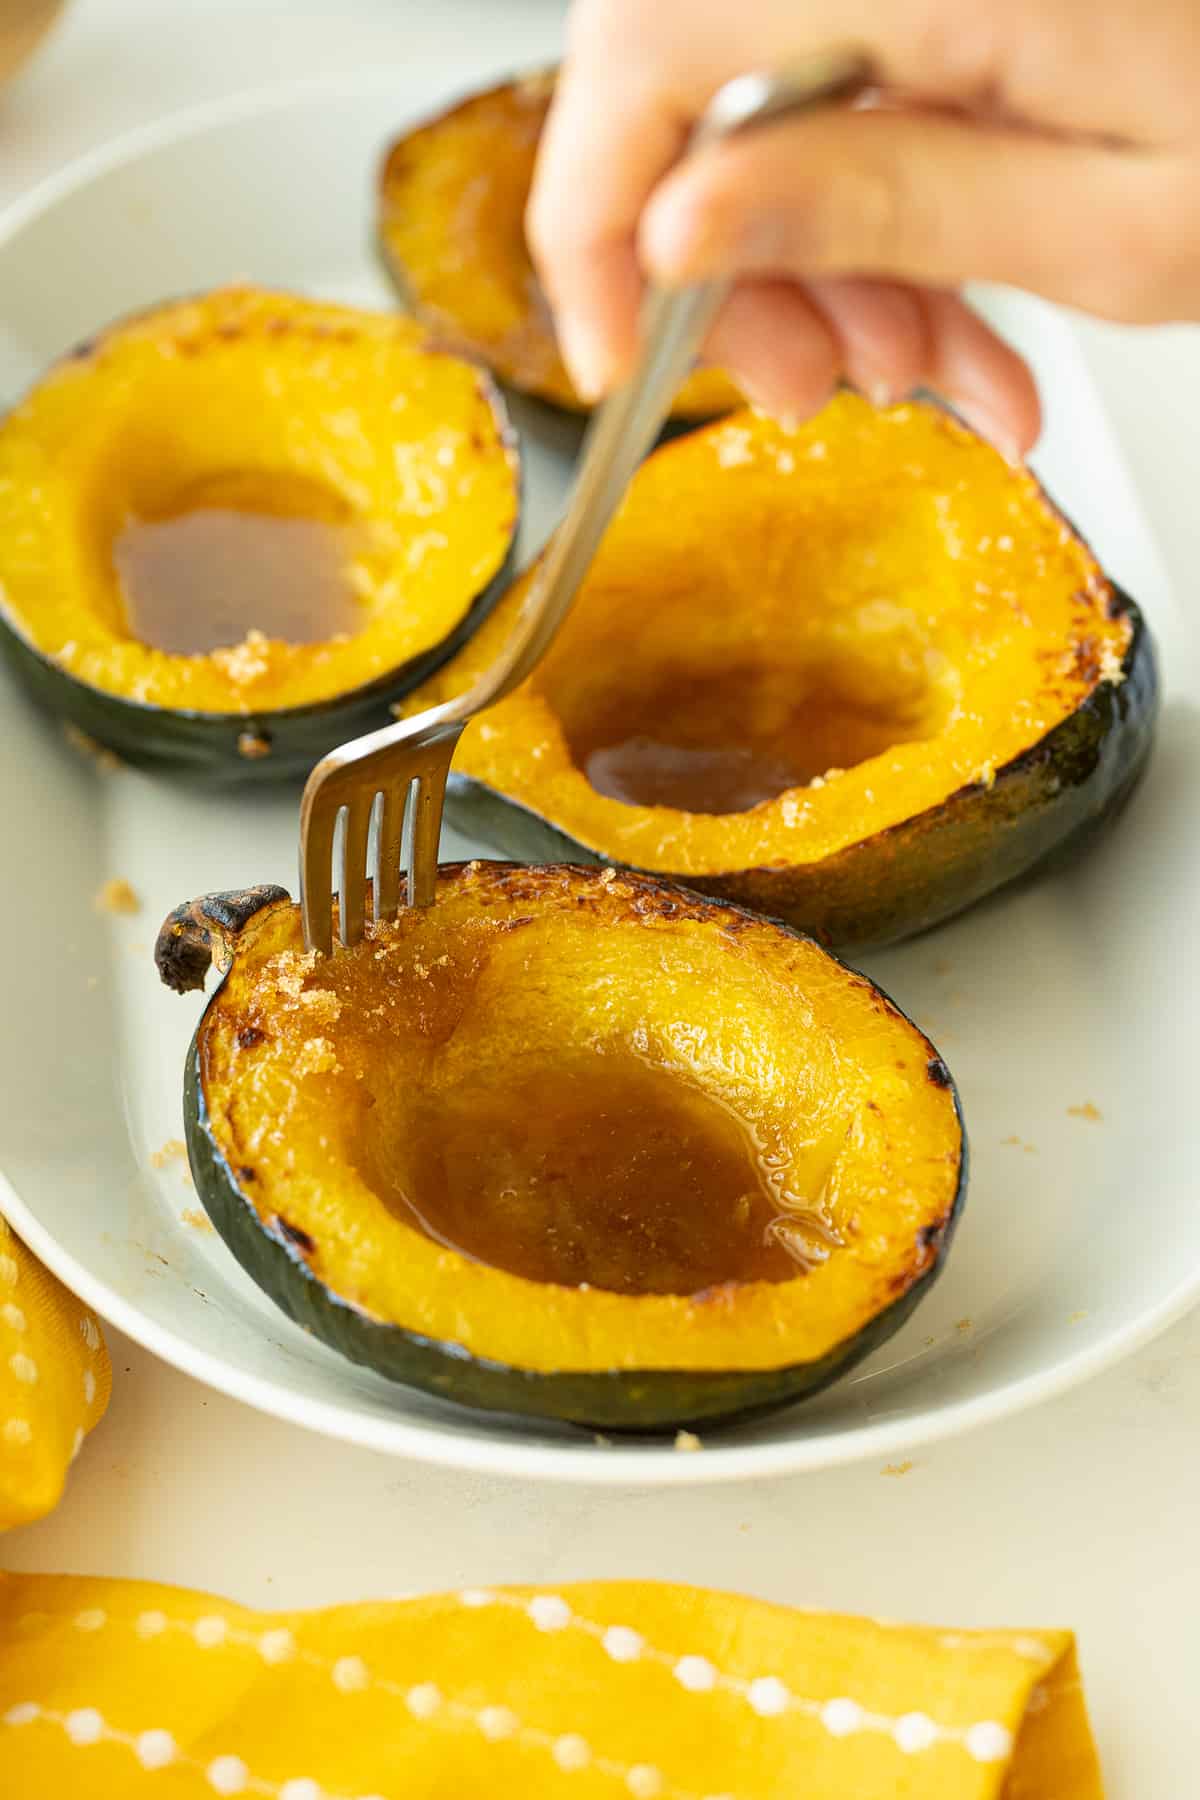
[1140, 264]
[867, 216]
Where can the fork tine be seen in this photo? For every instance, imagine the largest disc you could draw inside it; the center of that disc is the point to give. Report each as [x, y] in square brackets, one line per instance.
[427, 833]
[387, 850]
[353, 897]
[316, 876]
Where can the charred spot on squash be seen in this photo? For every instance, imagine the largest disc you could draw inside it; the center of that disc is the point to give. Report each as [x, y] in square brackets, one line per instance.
[295, 1235]
[208, 525]
[452, 201]
[249, 1036]
[855, 674]
[619, 1165]
[937, 1072]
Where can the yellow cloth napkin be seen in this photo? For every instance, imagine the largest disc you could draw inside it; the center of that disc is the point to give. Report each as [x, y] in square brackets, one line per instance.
[110, 1690]
[54, 1383]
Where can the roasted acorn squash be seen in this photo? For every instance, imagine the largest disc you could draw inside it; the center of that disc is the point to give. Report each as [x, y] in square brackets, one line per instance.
[568, 1143]
[177, 430]
[452, 231]
[856, 675]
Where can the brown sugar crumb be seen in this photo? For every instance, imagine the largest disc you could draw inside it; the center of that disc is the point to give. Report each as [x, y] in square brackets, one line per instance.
[964, 1325]
[170, 1150]
[1077, 1318]
[317, 1057]
[322, 1004]
[244, 662]
[252, 745]
[199, 1221]
[116, 896]
[105, 759]
[285, 973]
[687, 1441]
[1086, 1111]
[900, 1468]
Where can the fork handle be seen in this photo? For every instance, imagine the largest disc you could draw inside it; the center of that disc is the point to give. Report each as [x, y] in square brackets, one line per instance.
[673, 326]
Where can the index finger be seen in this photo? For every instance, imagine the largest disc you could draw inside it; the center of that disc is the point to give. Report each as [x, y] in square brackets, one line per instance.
[635, 79]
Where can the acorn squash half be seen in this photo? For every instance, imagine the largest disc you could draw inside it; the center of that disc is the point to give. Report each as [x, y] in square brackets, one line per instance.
[568, 1143]
[856, 674]
[203, 456]
[452, 200]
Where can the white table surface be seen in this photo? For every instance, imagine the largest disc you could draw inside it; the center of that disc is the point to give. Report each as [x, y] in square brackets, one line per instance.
[1082, 1513]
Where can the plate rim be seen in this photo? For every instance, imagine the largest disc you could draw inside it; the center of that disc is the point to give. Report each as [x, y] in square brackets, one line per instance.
[620, 1465]
[577, 1463]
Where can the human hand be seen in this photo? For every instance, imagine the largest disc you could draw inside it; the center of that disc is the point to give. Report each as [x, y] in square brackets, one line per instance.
[1052, 144]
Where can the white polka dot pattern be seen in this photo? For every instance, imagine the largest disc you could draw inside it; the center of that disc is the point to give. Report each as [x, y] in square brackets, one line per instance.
[276, 1646]
[423, 1700]
[351, 1675]
[622, 1644]
[155, 1749]
[84, 1726]
[497, 1723]
[572, 1752]
[301, 1788]
[228, 1775]
[986, 1741]
[914, 1732]
[549, 1612]
[842, 1718]
[768, 1697]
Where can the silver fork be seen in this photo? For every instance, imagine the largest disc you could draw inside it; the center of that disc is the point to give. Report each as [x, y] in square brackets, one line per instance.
[382, 767]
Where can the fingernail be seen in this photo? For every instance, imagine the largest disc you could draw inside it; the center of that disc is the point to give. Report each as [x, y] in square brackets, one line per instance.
[586, 358]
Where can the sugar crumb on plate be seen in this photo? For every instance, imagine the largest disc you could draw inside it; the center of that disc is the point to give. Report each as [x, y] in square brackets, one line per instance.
[687, 1441]
[167, 1153]
[1086, 1111]
[198, 1220]
[117, 896]
[900, 1468]
[100, 754]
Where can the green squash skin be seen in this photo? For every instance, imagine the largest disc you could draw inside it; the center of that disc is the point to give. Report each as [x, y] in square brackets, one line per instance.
[1042, 808]
[204, 746]
[626, 1400]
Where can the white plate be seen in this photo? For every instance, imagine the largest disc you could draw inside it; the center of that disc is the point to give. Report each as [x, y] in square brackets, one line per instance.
[1079, 1239]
